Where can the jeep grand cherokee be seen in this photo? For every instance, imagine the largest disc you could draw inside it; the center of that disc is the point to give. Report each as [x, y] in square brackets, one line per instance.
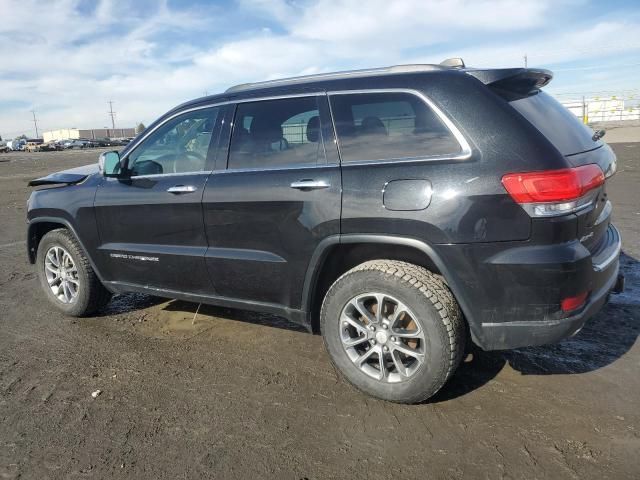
[399, 211]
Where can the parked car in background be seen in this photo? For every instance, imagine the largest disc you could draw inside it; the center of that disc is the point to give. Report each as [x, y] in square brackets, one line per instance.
[75, 144]
[400, 211]
[36, 145]
[16, 145]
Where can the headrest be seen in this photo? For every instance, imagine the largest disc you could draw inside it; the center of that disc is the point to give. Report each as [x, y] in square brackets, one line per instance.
[313, 129]
[267, 131]
[373, 125]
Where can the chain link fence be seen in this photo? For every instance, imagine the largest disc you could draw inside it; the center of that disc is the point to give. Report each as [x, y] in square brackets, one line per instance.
[598, 107]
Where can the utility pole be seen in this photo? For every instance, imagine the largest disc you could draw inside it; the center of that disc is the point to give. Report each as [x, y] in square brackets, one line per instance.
[35, 122]
[525, 60]
[112, 114]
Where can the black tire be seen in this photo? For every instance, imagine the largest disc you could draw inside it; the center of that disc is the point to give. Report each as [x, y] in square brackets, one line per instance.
[91, 294]
[436, 310]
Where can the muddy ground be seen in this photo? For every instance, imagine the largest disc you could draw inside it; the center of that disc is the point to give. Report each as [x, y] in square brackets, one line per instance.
[240, 395]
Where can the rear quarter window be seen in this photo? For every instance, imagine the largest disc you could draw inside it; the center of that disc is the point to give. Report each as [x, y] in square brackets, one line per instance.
[561, 127]
[389, 126]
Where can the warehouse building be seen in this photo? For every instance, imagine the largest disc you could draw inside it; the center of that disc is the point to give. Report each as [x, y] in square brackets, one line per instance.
[91, 134]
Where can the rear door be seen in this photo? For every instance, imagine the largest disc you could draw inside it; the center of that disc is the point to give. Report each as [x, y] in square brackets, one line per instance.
[274, 200]
[150, 223]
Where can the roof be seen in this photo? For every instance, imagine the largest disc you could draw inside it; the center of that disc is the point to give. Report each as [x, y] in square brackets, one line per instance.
[369, 72]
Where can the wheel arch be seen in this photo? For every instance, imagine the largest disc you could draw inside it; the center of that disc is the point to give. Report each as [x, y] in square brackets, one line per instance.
[337, 254]
[40, 226]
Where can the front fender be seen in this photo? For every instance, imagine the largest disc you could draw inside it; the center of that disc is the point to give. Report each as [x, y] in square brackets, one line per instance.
[40, 226]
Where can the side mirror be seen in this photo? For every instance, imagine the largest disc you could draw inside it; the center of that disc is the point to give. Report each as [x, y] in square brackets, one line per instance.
[109, 164]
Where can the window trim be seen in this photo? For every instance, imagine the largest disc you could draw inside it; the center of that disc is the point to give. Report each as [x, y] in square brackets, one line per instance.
[465, 148]
[167, 120]
[464, 145]
[317, 95]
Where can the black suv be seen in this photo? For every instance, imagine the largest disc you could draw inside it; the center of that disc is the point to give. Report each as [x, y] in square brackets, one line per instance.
[399, 211]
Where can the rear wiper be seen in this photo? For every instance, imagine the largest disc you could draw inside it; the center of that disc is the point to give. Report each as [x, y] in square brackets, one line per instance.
[598, 134]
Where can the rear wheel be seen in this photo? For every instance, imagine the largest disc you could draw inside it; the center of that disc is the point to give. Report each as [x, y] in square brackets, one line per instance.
[67, 277]
[393, 329]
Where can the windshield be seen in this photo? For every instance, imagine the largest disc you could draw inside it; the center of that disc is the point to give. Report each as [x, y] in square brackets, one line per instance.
[567, 133]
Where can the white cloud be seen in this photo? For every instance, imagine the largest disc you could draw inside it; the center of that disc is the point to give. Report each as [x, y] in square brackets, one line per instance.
[150, 57]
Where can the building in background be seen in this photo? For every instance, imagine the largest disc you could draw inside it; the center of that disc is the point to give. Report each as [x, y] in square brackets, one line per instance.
[91, 134]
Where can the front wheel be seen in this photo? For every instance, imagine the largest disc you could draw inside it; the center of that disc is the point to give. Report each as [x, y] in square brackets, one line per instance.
[393, 329]
[67, 277]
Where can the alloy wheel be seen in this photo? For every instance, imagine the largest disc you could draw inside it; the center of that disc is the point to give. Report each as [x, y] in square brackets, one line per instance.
[61, 274]
[382, 337]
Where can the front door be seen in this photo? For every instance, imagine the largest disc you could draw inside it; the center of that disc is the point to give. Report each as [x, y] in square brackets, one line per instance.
[278, 198]
[150, 223]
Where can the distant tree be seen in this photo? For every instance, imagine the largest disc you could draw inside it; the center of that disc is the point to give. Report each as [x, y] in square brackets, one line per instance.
[0, 138]
[140, 128]
[21, 137]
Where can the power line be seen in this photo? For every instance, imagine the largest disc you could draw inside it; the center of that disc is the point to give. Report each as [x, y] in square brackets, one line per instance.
[112, 114]
[35, 122]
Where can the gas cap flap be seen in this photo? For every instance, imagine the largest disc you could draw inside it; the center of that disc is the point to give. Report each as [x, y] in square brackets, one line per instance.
[407, 195]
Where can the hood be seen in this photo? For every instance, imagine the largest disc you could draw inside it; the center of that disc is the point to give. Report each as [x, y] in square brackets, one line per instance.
[69, 177]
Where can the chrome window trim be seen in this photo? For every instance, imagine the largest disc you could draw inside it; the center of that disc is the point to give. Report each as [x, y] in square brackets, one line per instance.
[211, 105]
[289, 167]
[168, 119]
[280, 97]
[462, 141]
[173, 174]
[253, 170]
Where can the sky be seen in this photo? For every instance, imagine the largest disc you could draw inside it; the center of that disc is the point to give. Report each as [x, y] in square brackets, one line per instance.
[65, 59]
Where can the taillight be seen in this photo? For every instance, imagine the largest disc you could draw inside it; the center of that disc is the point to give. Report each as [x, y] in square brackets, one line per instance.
[554, 192]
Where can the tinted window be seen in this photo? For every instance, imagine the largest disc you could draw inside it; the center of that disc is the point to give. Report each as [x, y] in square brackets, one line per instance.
[383, 126]
[180, 145]
[276, 133]
[556, 123]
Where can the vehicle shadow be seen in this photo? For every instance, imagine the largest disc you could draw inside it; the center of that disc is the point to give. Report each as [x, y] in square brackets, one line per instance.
[257, 318]
[129, 302]
[603, 340]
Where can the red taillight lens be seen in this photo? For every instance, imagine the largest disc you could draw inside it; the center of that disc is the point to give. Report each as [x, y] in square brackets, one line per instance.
[573, 303]
[553, 185]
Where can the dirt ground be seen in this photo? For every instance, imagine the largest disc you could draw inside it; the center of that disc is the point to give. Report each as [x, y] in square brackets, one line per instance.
[240, 395]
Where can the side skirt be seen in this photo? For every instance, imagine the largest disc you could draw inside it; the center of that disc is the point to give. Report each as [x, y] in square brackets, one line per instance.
[299, 317]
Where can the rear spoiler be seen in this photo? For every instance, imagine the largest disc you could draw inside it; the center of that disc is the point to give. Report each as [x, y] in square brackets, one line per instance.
[513, 82]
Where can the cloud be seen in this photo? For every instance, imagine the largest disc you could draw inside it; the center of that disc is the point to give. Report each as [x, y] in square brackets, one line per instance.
[68, 57]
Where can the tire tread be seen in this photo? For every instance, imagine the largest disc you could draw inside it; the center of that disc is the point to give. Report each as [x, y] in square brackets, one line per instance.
[435, 290]
[98, 295]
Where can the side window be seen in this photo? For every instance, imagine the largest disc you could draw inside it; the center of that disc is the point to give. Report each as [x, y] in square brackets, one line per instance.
[387, 126]
[179, 146]
[276, 134]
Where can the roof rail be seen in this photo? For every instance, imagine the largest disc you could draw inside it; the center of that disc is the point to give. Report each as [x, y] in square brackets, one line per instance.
[410, 68]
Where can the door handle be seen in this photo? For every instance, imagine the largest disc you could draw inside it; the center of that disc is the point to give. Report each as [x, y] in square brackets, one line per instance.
[310, 184]
[177, 189]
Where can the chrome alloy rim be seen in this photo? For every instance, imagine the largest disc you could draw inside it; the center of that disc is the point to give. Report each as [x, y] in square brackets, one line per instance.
[62, 274]
[382, 337]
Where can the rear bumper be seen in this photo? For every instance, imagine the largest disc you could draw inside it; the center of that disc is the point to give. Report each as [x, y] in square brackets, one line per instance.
[506, 335]
[514, 301]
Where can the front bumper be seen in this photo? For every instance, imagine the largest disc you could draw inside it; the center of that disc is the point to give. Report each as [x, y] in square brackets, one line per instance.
[514, 299]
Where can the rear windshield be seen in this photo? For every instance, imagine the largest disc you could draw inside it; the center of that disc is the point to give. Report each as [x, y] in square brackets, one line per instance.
[567, 133]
